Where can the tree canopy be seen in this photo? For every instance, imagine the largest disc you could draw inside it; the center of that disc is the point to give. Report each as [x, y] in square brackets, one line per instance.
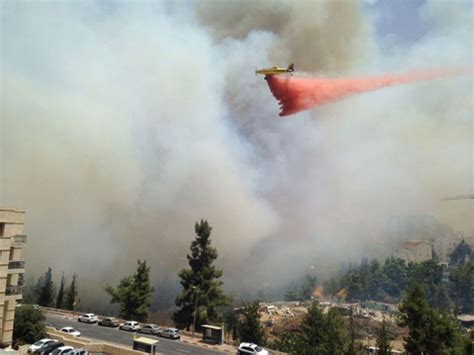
[60, 297]
[250, 329]
[71, 294]
[133, 294]
[200, 282]
[429, 331]
[29, 325]
[460, 254]
[46, 289]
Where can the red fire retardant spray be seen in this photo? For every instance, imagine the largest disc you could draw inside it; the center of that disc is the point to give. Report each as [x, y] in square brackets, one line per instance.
[295, 94]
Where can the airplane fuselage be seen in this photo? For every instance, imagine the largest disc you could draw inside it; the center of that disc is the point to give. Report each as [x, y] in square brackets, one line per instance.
[275, 70]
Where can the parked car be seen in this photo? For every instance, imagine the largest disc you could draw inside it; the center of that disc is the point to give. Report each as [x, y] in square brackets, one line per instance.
[151, 329]
[71, 331]
[171, 333]
[78, 352]
[49, 348]
[131, 326]
[109, 322]
[88, 318]
[62, 350]
[249, 348]
[39, 344]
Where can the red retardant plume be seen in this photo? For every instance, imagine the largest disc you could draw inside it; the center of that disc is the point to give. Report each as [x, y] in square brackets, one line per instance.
[295, 94]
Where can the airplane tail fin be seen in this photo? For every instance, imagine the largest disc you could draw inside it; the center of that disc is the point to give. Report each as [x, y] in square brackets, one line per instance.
[291, 67]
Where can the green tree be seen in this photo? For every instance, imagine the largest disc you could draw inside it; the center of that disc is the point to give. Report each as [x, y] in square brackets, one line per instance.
[335, 337]
[429, 274]
[133, 294]
[303, 290]
[319, 334]
[29, 325]
[414, 312]
[232, 323]
[441, 299]
[383, 339]
[200, 283]
[313, 330]
[46, 292]
[60, 297]
[462, 287]
[250, 328]
[460, 254]
[430, 331]
[353, 346]
[71, 294]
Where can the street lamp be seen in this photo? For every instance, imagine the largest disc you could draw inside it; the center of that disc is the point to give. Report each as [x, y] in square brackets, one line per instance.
[195, 289]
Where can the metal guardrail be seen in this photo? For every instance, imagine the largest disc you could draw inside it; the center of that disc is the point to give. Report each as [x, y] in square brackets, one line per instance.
[13, 290]
[19, 239]
[16, 264]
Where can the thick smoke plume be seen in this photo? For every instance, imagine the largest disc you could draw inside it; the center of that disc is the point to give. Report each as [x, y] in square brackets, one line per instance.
[124, 122]
[296, 94]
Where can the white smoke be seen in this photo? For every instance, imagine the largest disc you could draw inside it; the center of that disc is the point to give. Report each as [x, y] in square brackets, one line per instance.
[124, 123]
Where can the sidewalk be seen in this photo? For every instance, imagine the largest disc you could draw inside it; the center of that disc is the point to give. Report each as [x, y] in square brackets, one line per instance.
[198, 342]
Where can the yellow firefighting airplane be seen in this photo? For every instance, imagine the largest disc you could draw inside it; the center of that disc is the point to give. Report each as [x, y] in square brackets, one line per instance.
[276, 70]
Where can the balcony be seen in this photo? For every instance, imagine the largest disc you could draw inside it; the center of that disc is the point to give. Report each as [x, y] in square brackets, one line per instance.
[13, 290]
[18, 240]
[13, 293]
[16, 267]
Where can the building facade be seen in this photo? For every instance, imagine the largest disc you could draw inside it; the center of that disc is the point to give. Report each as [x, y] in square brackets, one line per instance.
[416, 251]
[12, 267]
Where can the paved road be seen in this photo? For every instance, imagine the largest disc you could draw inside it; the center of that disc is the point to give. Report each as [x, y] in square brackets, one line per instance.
[114, 335]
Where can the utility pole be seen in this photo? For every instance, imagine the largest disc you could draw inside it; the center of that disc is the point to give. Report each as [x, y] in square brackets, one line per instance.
[195, 309]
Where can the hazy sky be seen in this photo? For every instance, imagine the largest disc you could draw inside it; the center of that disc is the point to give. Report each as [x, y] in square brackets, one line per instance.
[125, 122]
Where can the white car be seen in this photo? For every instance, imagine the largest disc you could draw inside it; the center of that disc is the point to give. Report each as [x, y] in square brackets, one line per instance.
[39, 344]
[171, 333]
[88, 318]
[249, 348]
[131, 326]
[71, 331]
[62, 350]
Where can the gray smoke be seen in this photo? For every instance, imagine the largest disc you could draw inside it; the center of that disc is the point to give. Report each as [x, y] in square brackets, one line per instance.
[124, 123]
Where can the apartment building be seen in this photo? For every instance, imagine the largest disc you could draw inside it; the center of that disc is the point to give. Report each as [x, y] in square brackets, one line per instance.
[12, 266]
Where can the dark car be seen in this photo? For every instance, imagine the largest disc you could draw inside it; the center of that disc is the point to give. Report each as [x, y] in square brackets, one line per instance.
[48, 348]
[109, 322]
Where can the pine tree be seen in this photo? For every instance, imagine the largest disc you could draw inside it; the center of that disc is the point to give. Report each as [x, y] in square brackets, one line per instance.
[335, 338]
[430, 332]
[133, 294]
[46, 293]
[200, 283]
[60, 297]
[250, 328]
[414, 313]
[460, 254]
[71, 294]
[353, 346]
[383, 339]
[313, 327]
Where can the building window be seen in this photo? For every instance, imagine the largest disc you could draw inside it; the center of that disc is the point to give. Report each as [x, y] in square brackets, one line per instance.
[2, 229]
